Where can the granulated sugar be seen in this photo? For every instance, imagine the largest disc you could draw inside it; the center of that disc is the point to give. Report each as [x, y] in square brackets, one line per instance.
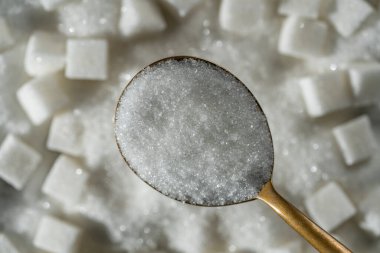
[194, 132]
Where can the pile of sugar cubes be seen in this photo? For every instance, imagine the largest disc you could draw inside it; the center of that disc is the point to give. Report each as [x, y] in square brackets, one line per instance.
[64, 188]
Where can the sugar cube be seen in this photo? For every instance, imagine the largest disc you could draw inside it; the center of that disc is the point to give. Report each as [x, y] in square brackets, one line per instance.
[50, 5]
[183, 7]
[241, 16]
[6, 39]
[56, 236]
[17, 161]
[42, 97]
[309, 9]
[140, 17]
[65, 134]
[45, 53]
[303, 37]
[365, 83]
[370, 209]
[87, 59]
[290, 247]
[329, 207]
[355, 139]
[326, 93]
[88, 18]
[6, 246]
[347, 16]
[66, 181]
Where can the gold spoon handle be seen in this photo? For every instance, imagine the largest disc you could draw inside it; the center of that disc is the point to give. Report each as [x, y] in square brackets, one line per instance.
[316, 236]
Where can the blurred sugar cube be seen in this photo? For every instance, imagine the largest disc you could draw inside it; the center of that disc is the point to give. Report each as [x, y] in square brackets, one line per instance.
[66, 181]
[6, 246]
[370, 209]
[45, 53]
[326, 93]
[88, 18]
[56, 236]
[355, 139]
[290, 247]
[329, 207]
[303, 37]
[347, 16]
[241, 16]
[183, 7]
[65, 134]
[42, 97]
[17, 161]
[87, 59]
[365, 83]
[50, 5]
[6, 39]
[140, 17]
[301, 8]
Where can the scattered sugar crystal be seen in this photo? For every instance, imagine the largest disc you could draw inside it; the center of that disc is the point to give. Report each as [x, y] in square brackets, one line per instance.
[6, 246]
[50, 5]
[6, 39]
[242, 16]
[42, 97]
[195, 133]
[45, 53]
[89, 18]
[370, 210]
[17, 161]
[183, 7]
[356, 140]
[365, 83]
[65, 134]
[56, 236]
[87, 59]
[66, 181]
[329, 207]
[309, 9]
[290, 247]
[140, 17]
[347, 16]
[303, 37]
[326, 93]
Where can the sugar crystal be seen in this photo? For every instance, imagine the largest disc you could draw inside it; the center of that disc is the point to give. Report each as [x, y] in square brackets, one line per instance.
[194, 132]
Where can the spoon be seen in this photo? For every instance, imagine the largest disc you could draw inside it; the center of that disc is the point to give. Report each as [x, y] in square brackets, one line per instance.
[195, 133]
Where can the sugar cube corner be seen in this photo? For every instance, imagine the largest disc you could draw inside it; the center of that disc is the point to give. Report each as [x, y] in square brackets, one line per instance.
[6, 245]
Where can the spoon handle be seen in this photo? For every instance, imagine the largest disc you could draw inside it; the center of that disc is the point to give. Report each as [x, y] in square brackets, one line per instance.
[316, 236]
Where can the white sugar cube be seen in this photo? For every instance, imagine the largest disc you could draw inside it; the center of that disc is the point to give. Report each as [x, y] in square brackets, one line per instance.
[66, 181]
[183, 7]
[329, 207]
[302, 8]
[6, 39]
[89, 18]
[290, 247]
[50, 5]
[326, 93]
[241, 16]
[6, 246]
[370, 209]
[65, 134]
[56, 236]
[355, 140]
[347, 16]
[87, 59]
[140, 17]
[365, 83]
[17, 161]
[45, 53]
[42, 97]
[303, 38]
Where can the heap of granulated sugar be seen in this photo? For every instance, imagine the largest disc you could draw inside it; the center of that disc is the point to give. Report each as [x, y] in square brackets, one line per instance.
[195, 133]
